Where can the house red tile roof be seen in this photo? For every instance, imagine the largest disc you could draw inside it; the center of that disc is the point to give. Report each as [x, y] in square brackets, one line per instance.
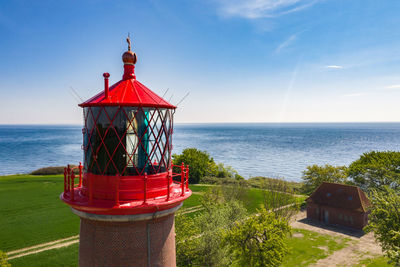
[340, 196]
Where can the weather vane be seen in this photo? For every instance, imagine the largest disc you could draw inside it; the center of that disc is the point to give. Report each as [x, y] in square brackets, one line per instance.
[128, 40]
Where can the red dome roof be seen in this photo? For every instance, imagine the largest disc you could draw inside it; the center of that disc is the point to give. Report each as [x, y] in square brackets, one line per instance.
[128, 92]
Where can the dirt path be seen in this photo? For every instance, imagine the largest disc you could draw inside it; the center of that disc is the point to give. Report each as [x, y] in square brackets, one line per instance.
[65, 242]
[361, 246]
[43, 247]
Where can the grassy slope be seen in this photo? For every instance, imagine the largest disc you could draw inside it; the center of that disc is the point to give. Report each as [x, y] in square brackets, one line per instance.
[380, 261]
[32, 213]
[310, 247]
[67, 256]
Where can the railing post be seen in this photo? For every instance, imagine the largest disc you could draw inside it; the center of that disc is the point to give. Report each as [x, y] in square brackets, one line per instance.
[68, 178]
[72, 186]
[183, 179]
[168, 184]
[145, 189]
[65, 180]
[187, 177]
[117, 191]
[80, 174]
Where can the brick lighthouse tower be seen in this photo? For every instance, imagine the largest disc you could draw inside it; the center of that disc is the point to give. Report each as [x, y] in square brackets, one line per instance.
[126, 193]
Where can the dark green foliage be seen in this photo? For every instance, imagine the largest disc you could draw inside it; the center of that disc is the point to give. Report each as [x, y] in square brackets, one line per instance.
[274, 184]
[53, 170]
[258, 240]
[384, 221]
[200, 163]
[376, 169]
[315, 175]
[199, 238]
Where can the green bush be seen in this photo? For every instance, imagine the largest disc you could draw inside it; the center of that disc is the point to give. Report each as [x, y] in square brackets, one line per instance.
[52, 170]
[3, 260]
[201, 165]
[221, 181]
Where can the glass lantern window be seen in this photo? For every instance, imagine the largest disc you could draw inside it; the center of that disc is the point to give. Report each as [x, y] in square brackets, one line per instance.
[127, 140]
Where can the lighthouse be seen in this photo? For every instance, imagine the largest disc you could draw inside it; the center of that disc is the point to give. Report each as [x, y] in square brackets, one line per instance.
[127, 191]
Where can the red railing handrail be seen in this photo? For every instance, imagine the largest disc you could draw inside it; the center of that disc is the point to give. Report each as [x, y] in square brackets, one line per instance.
[70, 186]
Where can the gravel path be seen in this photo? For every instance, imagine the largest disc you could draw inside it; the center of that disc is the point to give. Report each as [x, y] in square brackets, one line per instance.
[361, 246]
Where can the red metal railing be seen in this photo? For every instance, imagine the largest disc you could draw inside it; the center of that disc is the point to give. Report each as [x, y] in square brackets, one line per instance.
[180, 178]
[184, 177]
[69, 179]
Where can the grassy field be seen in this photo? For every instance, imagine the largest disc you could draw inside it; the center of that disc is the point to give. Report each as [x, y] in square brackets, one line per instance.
[375, 262]
[32, 213]
[306, 247]
[66, 256]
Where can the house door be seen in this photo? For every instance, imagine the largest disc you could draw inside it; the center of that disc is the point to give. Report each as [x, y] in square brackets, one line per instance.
[326, 216]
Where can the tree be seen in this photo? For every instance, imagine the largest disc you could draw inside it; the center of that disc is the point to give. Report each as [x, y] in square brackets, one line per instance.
[315, 175]
[187, 242]
[200, 163]
[376, 169]
[384, 221]
[258, 240]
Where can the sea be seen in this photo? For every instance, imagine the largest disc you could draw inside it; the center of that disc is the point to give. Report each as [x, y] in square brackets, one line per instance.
[280, 150]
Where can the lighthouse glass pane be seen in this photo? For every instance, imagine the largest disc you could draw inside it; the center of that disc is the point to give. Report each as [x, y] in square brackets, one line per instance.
[127, 140]
[137, 143]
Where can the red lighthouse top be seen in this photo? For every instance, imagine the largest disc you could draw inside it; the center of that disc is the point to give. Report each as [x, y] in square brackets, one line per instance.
[127, 152]
[128, 91]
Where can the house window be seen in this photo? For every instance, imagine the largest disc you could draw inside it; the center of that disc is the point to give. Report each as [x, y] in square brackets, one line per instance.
[350, 198]
[328, 194]
[340, 216]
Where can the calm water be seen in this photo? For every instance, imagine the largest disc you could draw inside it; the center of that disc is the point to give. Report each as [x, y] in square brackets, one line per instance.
[277, 150]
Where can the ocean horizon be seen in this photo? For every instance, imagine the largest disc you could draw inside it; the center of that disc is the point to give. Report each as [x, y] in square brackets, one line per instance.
[279, 150]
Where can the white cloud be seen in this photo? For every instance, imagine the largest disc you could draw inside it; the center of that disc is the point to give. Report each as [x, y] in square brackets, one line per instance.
[286, 43]
[355, 94]
[393, 87]
[334, 67]
[253, 9]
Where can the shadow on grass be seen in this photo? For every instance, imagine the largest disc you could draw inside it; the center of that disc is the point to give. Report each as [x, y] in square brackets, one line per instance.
[334, 228]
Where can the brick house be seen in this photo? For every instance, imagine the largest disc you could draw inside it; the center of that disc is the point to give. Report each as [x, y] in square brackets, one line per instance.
[339, 204]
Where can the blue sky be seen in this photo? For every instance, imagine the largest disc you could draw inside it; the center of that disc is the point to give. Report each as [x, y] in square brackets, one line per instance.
[241, 61]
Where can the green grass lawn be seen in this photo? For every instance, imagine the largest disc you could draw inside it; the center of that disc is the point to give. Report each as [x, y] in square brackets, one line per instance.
[66, 256]
[32, 213]
[306, 247]
[199, 188]
[380, 261]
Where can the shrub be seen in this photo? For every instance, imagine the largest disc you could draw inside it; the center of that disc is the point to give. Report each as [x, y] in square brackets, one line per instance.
[52, 170]
[200, 163]
[3, 259]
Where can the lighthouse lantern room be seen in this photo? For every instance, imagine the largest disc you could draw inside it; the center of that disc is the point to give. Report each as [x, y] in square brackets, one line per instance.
[127, 174]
